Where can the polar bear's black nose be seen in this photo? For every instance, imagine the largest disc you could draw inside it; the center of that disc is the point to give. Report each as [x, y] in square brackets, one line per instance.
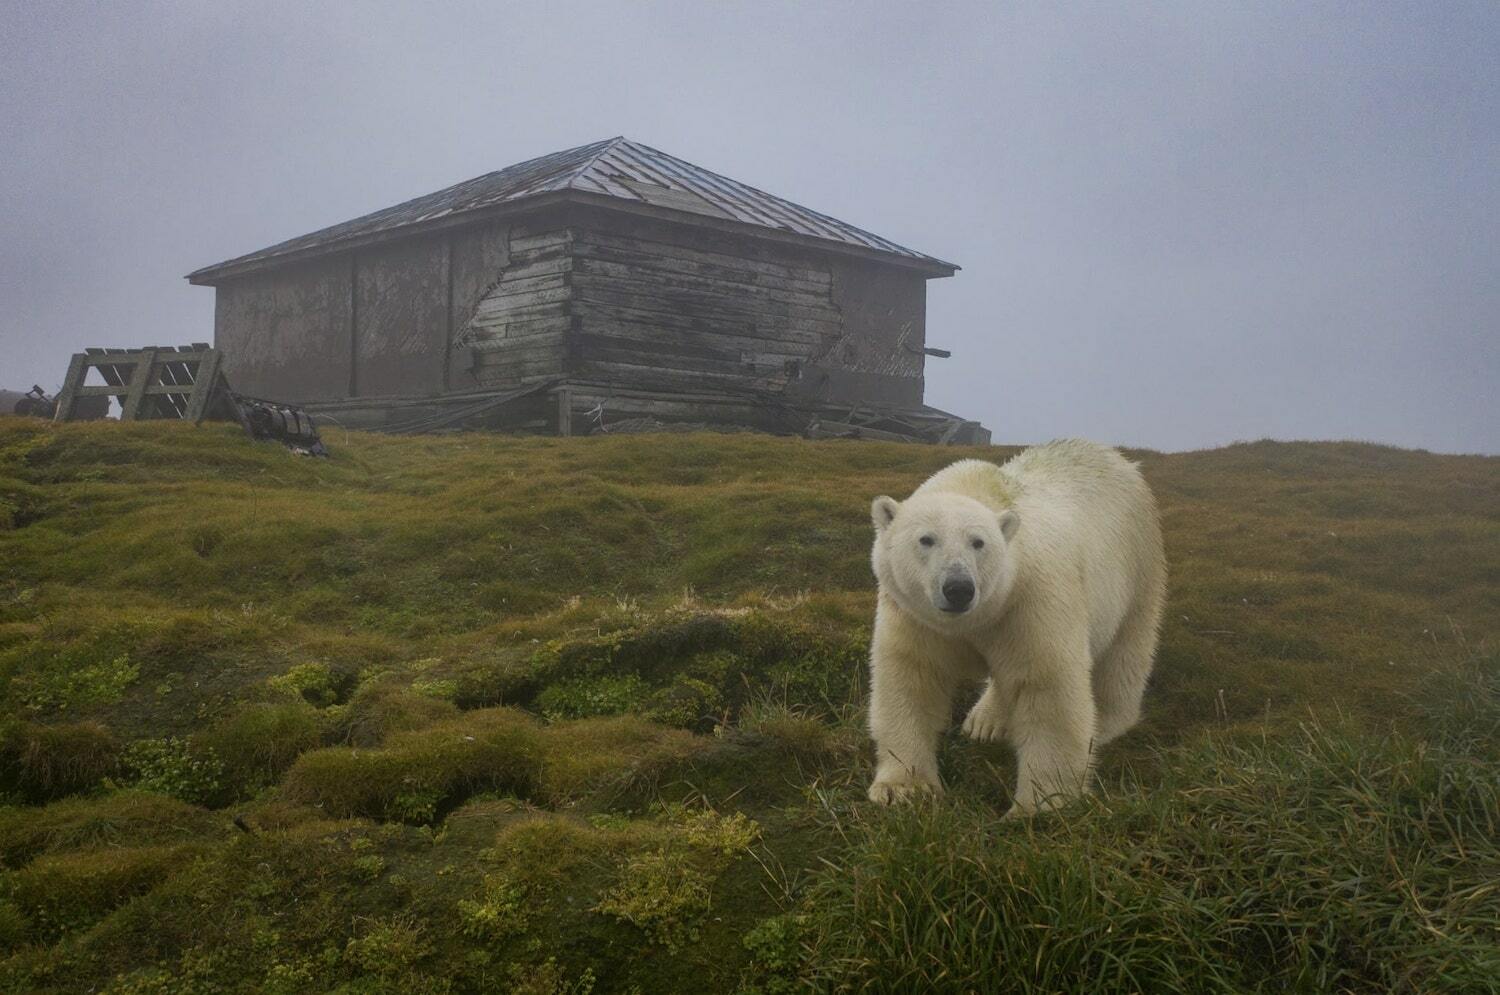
[958, 592]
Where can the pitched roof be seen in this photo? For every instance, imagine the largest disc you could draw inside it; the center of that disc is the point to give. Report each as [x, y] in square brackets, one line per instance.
[616, 168]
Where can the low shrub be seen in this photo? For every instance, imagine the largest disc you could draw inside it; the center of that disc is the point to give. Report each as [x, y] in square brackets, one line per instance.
[500, 912]
[686, 703]
[736, 654]
[543, 850]
[776, 955]
[547, 978]
[172, 767]
[314, 683]
[64, 684]
[663, 894]
[586, 697]
[445, 689]
[666, 889]
[505, 677]
[388, 947]
[14, 927]
[718, 835]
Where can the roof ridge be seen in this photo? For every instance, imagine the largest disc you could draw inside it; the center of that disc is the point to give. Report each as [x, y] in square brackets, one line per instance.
[608, 168]
[828, 220]
[606, 145]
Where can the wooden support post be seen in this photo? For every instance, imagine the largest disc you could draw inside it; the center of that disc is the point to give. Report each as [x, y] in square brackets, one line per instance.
[77, 372]
[564, 410]
[205, 382]
[131, 409]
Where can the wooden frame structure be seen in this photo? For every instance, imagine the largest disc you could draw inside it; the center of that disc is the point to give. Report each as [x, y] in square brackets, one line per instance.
[156, 382]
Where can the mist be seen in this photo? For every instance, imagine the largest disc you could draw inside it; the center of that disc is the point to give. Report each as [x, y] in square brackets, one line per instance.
[1180, 225]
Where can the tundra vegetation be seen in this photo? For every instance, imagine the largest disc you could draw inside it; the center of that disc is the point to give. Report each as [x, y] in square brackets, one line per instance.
[472, 713]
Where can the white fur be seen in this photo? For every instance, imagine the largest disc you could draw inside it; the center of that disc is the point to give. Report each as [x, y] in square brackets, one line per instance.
[1068, 591]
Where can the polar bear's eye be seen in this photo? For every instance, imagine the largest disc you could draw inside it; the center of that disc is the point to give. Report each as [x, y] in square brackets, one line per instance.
[927, 540]
[977, 544]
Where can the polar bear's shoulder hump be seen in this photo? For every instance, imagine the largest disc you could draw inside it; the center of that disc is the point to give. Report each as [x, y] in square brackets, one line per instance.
[975, 478]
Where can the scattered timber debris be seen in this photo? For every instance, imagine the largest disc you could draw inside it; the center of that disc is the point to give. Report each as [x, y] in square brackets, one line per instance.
[188, 383]
[651, 426]
[477, 409]
[908, 425]
[642, 411]
[185, 383]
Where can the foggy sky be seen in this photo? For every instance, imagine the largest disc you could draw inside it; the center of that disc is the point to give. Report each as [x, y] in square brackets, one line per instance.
[1180, 225]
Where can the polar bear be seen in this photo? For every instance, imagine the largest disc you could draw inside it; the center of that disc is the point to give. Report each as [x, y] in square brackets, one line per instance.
[1044, 576]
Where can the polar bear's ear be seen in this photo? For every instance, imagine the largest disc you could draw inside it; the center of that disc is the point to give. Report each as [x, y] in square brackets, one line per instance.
[883, 511]
[1009, 522]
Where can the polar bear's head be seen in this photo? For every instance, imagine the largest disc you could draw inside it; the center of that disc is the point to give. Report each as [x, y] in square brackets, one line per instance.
[946, 559]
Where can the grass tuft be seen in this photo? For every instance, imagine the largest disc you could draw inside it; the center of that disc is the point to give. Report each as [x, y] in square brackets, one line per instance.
[42, 762]
[119, 818]
[61, 893]
[1330, 862]
[257, 744]
[416, 775]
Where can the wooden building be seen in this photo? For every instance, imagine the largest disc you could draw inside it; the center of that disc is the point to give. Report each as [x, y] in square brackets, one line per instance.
[605, 284]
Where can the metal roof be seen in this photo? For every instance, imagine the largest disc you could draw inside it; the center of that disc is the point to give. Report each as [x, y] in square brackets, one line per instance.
[615, 168]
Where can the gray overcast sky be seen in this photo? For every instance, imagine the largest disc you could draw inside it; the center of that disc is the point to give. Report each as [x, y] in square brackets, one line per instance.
[1180, 224]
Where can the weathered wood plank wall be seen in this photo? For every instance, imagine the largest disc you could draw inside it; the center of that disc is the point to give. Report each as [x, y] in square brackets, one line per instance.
[518, 329]
[602, 298]
[373, 323]
[676, 310]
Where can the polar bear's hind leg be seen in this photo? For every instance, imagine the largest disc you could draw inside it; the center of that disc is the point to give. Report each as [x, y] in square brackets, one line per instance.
[1121, 674]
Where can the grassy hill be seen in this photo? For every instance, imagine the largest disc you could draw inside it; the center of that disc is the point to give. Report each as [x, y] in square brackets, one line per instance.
[474, 713]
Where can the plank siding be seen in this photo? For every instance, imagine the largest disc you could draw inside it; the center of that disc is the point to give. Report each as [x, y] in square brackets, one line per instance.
[519, 328]
[653, 376]
[665, 311]
[660, 246]
[763, 328]
[607, 325]
[593, 296]
[287, 334]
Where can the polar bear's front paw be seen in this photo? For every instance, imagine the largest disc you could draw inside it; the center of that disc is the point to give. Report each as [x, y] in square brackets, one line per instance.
[886, 790]
[985, 722]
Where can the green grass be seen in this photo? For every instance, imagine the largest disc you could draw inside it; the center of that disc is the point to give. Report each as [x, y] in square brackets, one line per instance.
[542, 715]
[1332, 861]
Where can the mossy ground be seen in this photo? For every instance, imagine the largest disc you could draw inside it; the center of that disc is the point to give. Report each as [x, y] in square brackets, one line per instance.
[499, 714]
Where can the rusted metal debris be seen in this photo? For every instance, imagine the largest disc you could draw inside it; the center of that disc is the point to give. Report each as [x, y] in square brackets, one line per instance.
[182, 383]
[37, 403]
[268, 421]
